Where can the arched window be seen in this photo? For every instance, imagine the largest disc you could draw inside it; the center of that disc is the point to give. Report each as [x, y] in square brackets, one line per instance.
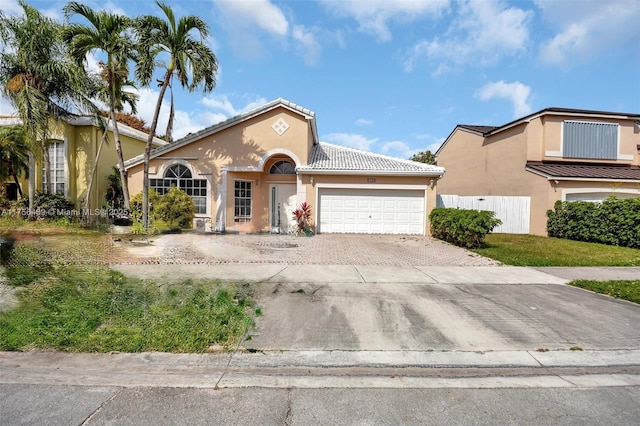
[282, 167]
[180, 176]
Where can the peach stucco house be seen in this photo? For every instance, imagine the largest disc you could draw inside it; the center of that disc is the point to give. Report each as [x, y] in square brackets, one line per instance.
[248, 174]
[522, 168]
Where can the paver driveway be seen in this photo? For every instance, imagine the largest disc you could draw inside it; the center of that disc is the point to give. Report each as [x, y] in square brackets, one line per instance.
[323, 249]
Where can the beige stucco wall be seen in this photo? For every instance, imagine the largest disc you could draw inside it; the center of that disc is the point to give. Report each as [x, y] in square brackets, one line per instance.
[629, 139]
[228, 154]
[242, 145]
[495, 166]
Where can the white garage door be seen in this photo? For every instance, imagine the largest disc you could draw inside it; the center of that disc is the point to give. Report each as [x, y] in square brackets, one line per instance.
[371, 211]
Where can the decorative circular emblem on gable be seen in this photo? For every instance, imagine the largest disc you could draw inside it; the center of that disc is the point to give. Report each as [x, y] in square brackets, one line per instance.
[280, 126]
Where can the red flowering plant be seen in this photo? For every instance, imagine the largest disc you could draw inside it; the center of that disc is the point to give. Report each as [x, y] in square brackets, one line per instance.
[302, 217]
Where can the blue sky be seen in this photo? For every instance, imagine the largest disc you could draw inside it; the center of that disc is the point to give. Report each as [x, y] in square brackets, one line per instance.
[395, 77]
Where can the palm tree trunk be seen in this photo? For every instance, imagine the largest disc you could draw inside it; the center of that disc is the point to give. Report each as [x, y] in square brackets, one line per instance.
[32, 184]
[123, 173]
[147, 151]
[94, 168]
[169, 132]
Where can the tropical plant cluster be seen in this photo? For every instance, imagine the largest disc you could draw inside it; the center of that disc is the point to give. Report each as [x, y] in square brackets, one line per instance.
[302, 218]
[614, 221]
[464, 228]
[172, 210]
[44, 73]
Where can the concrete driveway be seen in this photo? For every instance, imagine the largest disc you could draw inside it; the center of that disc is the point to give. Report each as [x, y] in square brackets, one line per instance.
[372, 293]
[441, 317]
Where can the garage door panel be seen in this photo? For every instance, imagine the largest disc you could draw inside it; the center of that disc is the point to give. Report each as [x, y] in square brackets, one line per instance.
[371, 211]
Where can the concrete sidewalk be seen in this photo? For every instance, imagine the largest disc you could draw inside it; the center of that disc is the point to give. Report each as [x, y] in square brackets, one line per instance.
[593, 273]
[274, 272]
[318, 369]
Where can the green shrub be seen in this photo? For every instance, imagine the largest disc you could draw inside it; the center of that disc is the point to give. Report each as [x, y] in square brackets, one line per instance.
[176, 209]
[464, 228]
[136, 206]
[613, 222]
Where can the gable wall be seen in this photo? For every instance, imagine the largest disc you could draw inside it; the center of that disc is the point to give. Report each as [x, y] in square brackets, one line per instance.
[240, 146]
[492, 166]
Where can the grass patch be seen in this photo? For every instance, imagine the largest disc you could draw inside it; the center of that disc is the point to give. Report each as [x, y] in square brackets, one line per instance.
[94, 309]
[626, 290]
[533, 250]
[43, 227]
[69, 301]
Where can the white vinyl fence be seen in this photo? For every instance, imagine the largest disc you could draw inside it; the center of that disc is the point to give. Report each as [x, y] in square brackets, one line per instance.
[514, 212]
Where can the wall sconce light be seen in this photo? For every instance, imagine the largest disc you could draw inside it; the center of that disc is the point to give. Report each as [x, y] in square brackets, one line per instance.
[257, 183]
[432, 183]
[311, 180]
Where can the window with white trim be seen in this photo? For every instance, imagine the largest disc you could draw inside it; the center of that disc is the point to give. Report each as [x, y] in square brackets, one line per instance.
[57, 167]
[242, 201]
[282, 167]
[594, 140]
[180, 176]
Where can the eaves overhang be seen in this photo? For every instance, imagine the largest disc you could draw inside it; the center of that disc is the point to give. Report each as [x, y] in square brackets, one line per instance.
[555, 178]
[425, 173]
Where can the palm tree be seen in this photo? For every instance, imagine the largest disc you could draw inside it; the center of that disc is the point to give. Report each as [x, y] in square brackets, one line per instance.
[190, 60]
[14, 154]
[38, 79]
[120, 80]
[107, 32]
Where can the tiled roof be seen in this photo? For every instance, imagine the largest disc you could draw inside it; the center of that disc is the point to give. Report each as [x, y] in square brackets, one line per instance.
[584, 171]
[329, 157]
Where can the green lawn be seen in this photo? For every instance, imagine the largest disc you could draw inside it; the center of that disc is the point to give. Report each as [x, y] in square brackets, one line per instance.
[627, 290]
[532, 250]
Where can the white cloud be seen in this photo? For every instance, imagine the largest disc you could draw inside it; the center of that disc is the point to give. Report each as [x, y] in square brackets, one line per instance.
[397, 149]
[351, 140]
[184, 122]
[483, 32]
[515, 92]
[307, 44]
[254, 13]
[11, 7]
[363, 122]
[589, 29]
[225, 106]
[113, 8]
[374, 16]
[246, 23]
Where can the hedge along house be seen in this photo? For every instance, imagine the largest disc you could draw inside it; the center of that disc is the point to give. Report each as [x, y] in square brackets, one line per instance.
[250, 172]
[73, 144]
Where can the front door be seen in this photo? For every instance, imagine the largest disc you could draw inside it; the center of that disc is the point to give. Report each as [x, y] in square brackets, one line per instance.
[282, 203]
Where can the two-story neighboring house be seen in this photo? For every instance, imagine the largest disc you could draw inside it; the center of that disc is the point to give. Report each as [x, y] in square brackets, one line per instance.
[522, 168]
[73, 144]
